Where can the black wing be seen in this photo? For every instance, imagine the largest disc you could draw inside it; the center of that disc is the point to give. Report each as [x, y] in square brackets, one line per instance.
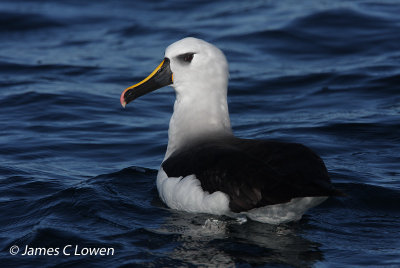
[253, 173]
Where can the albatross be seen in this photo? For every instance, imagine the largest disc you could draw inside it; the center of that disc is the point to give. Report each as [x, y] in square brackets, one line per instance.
[206, 169]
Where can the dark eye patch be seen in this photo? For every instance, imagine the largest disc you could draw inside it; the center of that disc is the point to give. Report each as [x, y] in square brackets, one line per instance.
[187, 57]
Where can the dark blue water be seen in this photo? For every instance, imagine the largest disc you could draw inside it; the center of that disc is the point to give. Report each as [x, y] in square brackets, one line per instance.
[77, 169]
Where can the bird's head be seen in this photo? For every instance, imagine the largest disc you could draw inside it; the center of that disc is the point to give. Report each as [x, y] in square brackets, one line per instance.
[192, 66]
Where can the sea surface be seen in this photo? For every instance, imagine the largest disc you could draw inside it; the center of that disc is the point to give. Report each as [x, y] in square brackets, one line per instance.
[77, 169]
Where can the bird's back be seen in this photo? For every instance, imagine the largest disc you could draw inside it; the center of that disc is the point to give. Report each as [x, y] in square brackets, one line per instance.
[253, 173]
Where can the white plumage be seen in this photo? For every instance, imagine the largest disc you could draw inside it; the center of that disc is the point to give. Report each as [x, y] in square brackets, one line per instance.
[186, 194]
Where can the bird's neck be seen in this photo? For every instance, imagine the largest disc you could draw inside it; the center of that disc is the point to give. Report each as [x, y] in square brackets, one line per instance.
[196, 117]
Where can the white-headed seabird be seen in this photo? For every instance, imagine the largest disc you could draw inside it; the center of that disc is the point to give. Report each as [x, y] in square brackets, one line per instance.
[208, 170]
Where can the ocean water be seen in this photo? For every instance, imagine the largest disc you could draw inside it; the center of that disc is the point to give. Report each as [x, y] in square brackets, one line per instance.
[77, 169]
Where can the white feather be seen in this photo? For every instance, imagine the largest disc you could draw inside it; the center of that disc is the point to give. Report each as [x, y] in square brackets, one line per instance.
[286, 212]
[186, 194]
[201, 107]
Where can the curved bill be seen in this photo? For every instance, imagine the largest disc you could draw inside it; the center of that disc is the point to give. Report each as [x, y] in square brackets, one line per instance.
[160, 77]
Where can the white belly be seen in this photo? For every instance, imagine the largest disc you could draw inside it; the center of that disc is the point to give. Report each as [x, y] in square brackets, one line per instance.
[286, 212]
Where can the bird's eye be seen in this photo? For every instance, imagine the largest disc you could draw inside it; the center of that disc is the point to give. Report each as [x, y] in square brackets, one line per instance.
[187, 57]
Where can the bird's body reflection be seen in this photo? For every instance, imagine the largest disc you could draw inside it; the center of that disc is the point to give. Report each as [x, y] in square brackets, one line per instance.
[221, 241]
